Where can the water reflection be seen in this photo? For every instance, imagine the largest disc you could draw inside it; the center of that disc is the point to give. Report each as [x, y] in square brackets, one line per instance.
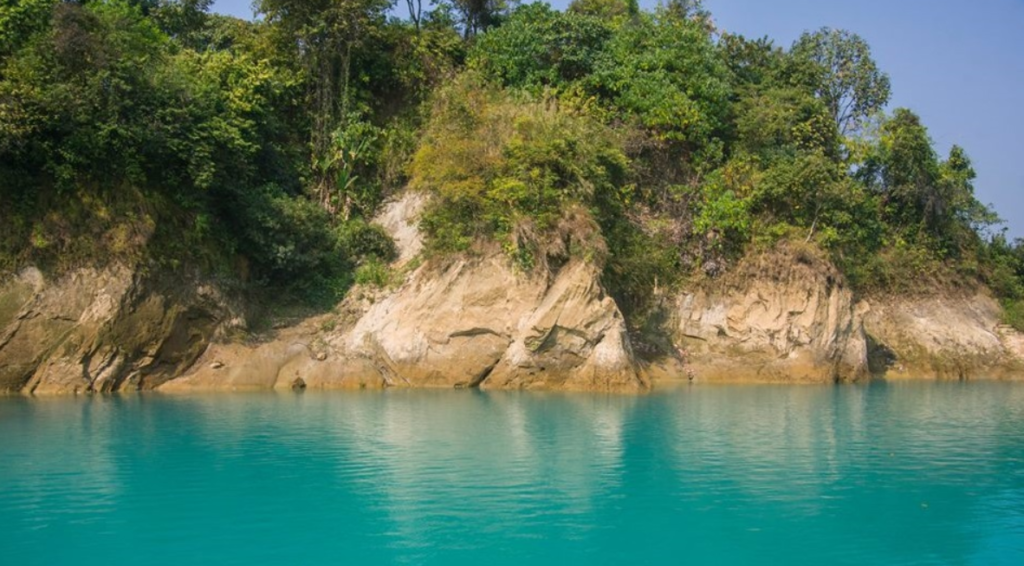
[894, 474]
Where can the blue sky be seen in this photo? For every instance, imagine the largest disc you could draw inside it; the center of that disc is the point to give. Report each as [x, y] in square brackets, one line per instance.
[959, 65]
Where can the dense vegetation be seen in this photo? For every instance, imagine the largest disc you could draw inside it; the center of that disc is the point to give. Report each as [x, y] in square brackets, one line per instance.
[647, 142]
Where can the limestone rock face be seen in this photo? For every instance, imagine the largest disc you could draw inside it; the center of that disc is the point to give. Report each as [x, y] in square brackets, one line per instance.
[945, 338]
[782, 316]
[575, 338]
[477, 323]
[400, 219]
[787, 317]
[474, 323]
[790, 321]
[100, 330]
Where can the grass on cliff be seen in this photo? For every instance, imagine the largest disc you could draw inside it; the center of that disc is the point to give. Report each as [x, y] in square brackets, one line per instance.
[1013, 314]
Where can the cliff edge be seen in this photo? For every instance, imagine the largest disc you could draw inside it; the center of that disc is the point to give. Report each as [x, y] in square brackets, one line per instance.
[780, 316]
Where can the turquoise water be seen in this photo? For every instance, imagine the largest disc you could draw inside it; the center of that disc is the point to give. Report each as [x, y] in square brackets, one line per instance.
[886, 474]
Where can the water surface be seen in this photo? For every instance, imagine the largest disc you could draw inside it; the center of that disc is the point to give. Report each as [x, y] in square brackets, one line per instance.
[888, 474]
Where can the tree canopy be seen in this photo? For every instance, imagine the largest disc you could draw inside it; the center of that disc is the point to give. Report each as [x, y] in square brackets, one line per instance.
[646, 142]
[849, 83]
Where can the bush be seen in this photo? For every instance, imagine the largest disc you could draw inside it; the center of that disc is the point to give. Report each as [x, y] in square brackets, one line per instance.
[1013, 314]
[507, 168]
[288, 240]
[374, 273]
[361, 241]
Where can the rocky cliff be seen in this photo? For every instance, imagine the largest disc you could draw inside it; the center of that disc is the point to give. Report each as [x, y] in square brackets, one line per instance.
[957, 337]
[786, 316]
[782, 316]
[102, 330]
[473, 323]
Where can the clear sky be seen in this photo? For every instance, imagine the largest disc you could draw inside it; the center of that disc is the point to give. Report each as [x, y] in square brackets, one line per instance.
[959, 65]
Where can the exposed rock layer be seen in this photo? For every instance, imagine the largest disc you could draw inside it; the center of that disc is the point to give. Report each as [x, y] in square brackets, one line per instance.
[475, 322]
[786, 316]
[948, 338]
[101, 330]
[782, 317]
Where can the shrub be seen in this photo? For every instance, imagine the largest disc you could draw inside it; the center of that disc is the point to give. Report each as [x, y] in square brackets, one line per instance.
[1013, 314]
[373, 272]
[502, 167]
[361, 240]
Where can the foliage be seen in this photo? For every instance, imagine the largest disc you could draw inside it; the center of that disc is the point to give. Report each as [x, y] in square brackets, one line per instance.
[322, 36]
[20, 20]
[924, 198]
[373, 273]
[665, 72]
[111, 130]
[850, 83]
[658, 70]
[607, 10]
[1013, 314]
[540, 47]
[647, 143]
[363, 241]
[509, 168]
[476, 16]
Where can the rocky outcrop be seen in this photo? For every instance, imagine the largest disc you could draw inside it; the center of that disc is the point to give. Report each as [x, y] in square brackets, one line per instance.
[473, 323]
[101, 330]
[786, 316]
[944, 338]
[782, 316]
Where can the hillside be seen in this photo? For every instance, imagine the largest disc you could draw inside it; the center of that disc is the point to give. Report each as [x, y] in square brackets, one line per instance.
[621, 194]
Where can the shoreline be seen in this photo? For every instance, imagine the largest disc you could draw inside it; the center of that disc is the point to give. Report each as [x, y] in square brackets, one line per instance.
[662, 385]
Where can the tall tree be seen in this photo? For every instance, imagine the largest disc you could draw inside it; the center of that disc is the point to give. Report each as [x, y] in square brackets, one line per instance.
[323, 35]
[606, 9]
[850, 83]
[415, 12]
[478, 15]
[688, 9]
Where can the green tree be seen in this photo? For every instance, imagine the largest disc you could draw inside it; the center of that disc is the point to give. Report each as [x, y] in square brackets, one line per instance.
[20, 20]
[181, 18]
[512, 169]
[922, 196]
[477, 16]
[322, 35]
[957, 178]
[539, 48]
[909, 172]
[850, 83]
[689, 10]
[604, 9]
[665, 73]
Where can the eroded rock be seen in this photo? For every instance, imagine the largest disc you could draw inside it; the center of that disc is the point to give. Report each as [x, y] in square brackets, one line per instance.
[101, 330]
[944, 338]
[781, 317]
[473, 323]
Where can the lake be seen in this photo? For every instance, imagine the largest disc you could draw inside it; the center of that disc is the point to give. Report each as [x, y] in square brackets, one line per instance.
[908, 473]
